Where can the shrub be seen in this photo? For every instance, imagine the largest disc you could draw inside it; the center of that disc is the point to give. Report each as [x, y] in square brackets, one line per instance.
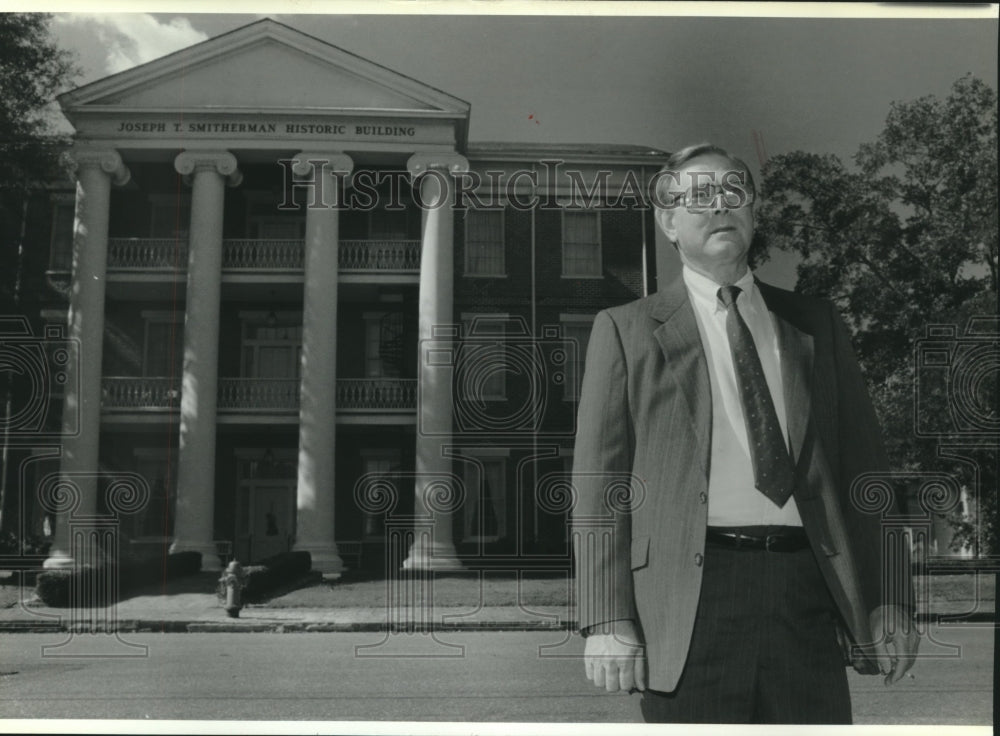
[273, 572]
[31, 545]
[180, 564]
[53, 586]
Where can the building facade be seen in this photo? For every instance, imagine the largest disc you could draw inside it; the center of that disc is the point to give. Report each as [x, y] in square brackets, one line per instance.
[305, 313]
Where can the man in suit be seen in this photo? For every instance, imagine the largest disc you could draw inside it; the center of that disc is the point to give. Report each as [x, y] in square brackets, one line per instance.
[718, 541]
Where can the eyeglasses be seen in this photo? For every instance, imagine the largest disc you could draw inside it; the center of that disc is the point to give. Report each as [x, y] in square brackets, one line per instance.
[713, 197]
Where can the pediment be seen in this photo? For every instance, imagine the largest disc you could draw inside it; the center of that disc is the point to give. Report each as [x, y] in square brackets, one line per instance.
[263, 66]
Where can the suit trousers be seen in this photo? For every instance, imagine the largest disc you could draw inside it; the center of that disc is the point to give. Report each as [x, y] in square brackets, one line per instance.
[764, 647]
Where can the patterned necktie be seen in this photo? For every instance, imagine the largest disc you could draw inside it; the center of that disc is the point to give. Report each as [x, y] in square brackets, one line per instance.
[772, 465]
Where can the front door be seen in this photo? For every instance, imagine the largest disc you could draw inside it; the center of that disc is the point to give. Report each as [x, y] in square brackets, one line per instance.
[272, 515]
[265, 503]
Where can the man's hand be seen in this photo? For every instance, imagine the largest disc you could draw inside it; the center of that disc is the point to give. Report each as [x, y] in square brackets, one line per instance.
[896, 641]
[616, 660]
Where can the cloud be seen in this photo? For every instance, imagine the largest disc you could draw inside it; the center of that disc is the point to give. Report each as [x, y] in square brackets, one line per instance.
[130, 39]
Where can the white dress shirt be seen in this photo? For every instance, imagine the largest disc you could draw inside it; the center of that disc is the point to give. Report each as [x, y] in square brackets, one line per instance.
[732, 498]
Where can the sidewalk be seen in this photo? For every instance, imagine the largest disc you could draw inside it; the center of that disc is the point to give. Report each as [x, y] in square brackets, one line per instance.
[464, 602]
[461, 602]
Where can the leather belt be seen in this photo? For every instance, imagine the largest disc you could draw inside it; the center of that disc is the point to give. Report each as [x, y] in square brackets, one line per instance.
[770, 539]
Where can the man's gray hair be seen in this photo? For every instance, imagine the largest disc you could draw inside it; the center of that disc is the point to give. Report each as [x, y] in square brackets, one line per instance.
[678, 159]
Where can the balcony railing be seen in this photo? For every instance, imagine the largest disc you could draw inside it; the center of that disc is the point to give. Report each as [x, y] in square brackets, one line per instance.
[386, 394]
[132, 394]
[258, 395]
[380, 255]
[255, 254]
[251, 254]
[147, 254]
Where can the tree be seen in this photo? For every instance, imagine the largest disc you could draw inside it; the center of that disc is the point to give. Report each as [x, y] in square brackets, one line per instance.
[906, 239]
[32, 70]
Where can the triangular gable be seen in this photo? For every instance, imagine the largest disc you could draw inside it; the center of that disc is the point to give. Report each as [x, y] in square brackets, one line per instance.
[265, 66]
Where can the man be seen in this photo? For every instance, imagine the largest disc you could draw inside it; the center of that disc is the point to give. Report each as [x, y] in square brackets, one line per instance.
[722, 422]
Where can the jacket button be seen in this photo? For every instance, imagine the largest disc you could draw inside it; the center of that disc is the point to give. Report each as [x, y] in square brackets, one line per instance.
[698, 559]
[703, 497]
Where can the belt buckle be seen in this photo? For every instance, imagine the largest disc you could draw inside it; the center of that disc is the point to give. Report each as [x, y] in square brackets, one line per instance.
[770, 540]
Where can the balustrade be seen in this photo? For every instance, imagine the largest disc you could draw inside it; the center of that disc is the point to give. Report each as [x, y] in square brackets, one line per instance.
[131, 393]
[379, 255]
[252, 395]
[258, 394]
[249, 254]
[377, 393]
[253, 254]
[147, 254]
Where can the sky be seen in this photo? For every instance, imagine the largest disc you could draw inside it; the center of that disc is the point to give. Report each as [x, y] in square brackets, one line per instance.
[822, 85]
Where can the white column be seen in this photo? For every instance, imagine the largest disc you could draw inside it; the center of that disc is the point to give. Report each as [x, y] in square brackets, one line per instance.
[315, 492]
[435, 489]
[209, 171]
[95, 170]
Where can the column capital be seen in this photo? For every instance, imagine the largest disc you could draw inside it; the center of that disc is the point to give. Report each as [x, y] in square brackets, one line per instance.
[446, 161]
[107, 160]
[222, 163]
[336, 163]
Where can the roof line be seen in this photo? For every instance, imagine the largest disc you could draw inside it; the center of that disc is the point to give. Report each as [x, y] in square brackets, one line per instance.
[263, 21]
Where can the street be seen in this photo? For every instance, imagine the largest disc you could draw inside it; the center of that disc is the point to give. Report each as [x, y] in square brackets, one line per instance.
[484, 676]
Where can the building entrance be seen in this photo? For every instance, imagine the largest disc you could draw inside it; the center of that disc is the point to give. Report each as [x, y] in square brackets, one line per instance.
[265, 509]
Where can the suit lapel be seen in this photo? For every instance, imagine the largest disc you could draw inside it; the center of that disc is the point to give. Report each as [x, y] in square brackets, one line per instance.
[680, 342]
[796, 348]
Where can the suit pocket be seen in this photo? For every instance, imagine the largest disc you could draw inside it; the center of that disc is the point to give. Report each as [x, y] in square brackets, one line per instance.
[640, 552]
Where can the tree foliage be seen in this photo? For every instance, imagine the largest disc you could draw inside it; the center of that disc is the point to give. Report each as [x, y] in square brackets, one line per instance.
[906, 239]
[32, 71]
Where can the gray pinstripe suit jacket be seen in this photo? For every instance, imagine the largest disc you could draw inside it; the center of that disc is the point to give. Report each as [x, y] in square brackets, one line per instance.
[641, 468]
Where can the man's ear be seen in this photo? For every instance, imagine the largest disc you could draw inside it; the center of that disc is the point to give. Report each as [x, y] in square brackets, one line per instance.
[665, 220]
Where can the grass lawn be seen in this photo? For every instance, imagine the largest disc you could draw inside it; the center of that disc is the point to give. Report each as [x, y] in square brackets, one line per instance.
[948, 593]
[957, 593]
[10, 590]
[447, 589]
[952, 594]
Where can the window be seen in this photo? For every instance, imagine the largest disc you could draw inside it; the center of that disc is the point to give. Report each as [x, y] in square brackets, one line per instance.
[482, 364]
[384, 463]
[279, 228]
[163, 347]
[576, 329]
[581, 244]
[484, 514]
[272, 345]
[386, 224]
[155, 520]
[266, 221]
[383, 344]
[170, 216]
[381, 223]
[484, 243]
[61, 250]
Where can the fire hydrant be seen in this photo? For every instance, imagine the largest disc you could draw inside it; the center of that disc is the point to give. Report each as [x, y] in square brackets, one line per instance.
[231, 586]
